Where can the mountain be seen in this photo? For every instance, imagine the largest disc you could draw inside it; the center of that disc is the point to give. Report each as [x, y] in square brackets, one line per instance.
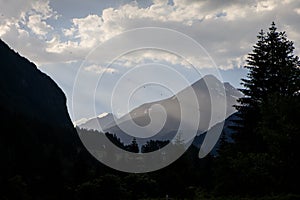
[226, 131]
[101, 122]
[42, 156]
[141, 115]
[38, 143]
[28, 91]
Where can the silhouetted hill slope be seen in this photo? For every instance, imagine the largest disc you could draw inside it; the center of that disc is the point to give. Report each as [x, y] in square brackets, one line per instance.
[25, 89]
[38, 143]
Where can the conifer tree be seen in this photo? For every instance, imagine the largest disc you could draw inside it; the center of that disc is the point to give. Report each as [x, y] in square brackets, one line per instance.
[273, 71]
[133, 146]
[264, 157]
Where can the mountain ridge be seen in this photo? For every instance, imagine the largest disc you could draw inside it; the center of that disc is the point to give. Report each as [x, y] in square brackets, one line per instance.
[24, 79]
[170, 104]
[39, 142]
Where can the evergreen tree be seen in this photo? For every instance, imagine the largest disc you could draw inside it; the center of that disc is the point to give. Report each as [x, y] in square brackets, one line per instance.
[263, 157]
[273, 70]
[154, 145]
[133, 147]
[115, 140]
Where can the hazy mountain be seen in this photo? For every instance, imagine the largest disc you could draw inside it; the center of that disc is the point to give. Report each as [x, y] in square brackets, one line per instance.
[100, 122]
[141, 117]
[227, 132]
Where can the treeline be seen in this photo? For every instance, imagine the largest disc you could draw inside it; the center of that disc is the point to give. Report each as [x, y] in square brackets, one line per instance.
[41, 162]
[150, 146]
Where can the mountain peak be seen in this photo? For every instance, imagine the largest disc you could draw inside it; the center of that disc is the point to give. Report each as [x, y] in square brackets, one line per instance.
[207, 88]
[210, 77]
[227, 84]
[207, 80]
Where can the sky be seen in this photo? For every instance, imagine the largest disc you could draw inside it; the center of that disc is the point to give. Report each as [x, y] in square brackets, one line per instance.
[87, 47]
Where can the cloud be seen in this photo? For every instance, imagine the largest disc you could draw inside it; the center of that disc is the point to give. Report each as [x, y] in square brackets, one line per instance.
[266, 5]
[37, 16]
[44, 9]
[14, 8]
[5, 25]
[153, 55]
[22, 22]
[88, 29]
[15, 13]
[99, 69]
[226, 29]
[38, 26]
[297, 10]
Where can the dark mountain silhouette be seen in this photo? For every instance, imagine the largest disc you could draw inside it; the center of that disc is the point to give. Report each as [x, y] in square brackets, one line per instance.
[38, 143]
[28, 91]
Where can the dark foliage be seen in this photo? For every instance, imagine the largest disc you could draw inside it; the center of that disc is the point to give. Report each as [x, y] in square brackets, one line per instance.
[153, 145]
[263, 159]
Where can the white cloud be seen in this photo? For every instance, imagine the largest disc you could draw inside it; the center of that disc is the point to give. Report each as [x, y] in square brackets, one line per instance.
[266, 5]
[203, 20]
[38, 26]
[297, 10]
[5, 25]
[155, 55]
[14, 8]
[22, 22]
[226, 29]
[44, 9]
[88, 29]
[37, 17]
[99, 69]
